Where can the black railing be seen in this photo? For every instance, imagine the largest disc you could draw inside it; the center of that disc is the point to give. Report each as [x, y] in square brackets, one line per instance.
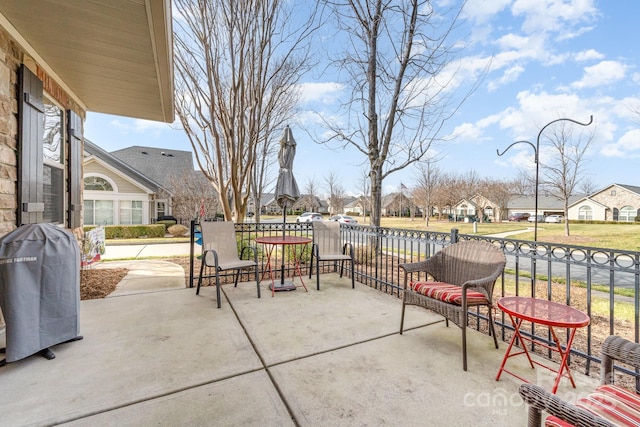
[586, 277]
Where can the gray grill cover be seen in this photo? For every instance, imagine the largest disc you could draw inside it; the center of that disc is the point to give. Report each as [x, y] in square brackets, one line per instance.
[39, 288]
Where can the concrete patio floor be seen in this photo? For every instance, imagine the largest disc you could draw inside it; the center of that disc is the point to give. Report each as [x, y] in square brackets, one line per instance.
[328, 357]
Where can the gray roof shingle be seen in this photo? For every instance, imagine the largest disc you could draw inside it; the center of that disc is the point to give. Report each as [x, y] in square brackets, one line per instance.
[159, 164]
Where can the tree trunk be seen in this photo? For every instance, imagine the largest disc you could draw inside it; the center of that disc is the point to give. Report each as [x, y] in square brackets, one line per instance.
[376, 198]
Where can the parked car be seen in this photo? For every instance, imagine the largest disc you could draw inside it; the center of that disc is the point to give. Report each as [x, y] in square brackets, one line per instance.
[309, 217]
[344, 219]
[554, 218]
[519, 216]
[532, 218]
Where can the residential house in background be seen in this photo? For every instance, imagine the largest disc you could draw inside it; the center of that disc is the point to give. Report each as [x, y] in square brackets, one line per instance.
[399, 204]
[137, 185]
[547, 205]
[357, 206]
[305, 203]
[172, 169]
[60, 59]
[117, 193]
[615, 202]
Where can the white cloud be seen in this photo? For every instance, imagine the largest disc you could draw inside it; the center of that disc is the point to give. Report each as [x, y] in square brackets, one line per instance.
[513, 41]
[627, 146]
[467, 131]
[141, 126]
[588, 55]
[482, 10]
[326, 92]
[509, 76]
[555, 15]
[603, 73]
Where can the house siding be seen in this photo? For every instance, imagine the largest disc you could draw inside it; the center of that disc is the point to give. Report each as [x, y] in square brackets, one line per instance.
[623, 197]
[124, 186]
[599, 212]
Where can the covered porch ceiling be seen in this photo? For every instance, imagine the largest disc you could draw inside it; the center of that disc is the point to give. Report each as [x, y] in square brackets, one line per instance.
[114, 56]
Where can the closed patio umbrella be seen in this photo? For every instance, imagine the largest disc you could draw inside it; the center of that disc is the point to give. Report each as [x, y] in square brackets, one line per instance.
[286, 188]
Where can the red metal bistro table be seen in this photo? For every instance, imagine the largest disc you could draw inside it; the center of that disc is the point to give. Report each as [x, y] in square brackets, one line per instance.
[547, 313]
[270, 243]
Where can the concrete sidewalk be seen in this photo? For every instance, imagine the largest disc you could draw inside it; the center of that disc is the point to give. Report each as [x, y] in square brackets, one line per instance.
[144, 251]
[328, 357]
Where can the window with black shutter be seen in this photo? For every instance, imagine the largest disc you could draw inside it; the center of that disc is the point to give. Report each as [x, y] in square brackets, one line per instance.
[75, 169]
[49, 157]
[30, 166]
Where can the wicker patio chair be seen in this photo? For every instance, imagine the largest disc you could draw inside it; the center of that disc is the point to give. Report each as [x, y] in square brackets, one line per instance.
[220, 251]
[460, 276]
[609, 405]
[327, 246]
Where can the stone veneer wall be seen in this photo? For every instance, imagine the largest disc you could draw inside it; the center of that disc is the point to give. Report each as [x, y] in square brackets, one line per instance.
[10, 60]
[11, 57]
[622, 198]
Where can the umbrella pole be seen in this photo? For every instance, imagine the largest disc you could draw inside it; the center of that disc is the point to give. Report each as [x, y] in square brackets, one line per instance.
[284, 225]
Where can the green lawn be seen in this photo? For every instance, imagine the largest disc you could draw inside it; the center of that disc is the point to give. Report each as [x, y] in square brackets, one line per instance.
[611, 236]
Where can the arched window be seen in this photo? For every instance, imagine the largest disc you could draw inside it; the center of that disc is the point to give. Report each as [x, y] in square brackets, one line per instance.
[627, 213]
[615, 214]
[585, 213]
[97, 183]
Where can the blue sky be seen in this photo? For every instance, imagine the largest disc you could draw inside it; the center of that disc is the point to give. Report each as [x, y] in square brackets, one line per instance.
[548, 59]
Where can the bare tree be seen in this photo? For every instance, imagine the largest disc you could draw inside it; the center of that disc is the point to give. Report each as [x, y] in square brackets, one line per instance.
[309, 200]
[496, 194]
[187, 199]
[263, 176]
[364, 185]
[238, 63]
[427, 180]
[470, 183]
[587, 186]
[524, 184]
[336, 193]
[394, 58]
[448, 192]
[562, 163]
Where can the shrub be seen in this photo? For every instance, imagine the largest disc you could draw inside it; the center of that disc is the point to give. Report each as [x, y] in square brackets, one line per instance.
[177, 230]
[167, 223]
[131, 231]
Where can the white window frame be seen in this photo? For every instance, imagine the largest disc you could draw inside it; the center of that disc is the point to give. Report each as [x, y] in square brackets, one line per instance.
[627, 214]
[60, 166]
[122, 208]
[585, 213]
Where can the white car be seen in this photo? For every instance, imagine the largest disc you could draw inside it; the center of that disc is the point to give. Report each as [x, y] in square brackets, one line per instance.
[344, 219]
[309, 217]
[532, 218]
[554, 218]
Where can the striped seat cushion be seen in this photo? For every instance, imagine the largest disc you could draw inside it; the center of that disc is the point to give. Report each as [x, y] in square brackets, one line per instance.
[448, 293]
[613, 403]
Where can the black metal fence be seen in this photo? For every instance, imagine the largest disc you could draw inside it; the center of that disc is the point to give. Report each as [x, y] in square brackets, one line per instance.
[604, 283]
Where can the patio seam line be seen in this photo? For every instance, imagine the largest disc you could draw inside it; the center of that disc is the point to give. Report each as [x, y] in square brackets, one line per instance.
[333, 349]
[66, 419]
[264, 365]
